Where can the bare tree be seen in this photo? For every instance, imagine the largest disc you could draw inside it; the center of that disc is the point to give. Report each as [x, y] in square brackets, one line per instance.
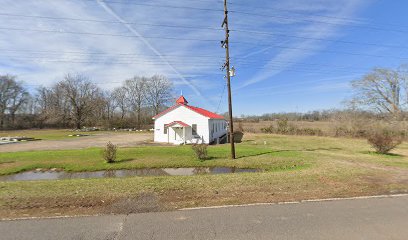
[382, 90]
[42, 105]
[158, 92]
[81, 93]
[12, 97]
[77, 101]
[110, 104]
[119, 96]
[19, 97]
[6, 83]
[102, 108]
[60, 106]
[136, 93]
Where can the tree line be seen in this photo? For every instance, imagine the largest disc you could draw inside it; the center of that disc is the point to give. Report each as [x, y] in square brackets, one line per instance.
[380, 94]
[76, 102]
[311, 116]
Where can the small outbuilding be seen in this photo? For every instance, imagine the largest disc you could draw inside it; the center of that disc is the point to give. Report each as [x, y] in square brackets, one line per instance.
[185, 124]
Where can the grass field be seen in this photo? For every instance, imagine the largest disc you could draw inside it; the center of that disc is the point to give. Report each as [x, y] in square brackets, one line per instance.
[149, 157]
[296, 168]
[353, 128]
[325, 126]
[49, 134]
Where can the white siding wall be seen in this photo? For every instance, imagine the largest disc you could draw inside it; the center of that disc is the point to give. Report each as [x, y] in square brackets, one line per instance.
[217, 128]
[185, 115]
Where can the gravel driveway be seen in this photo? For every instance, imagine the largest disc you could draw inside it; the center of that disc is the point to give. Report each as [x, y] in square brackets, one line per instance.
[99, 140]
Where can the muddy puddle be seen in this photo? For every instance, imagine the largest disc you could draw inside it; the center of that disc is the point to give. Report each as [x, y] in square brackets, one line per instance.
[57, 175]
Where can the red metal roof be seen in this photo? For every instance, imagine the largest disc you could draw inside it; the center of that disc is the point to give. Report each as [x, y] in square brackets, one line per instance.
[181, 101]
[195, 109]
[205, 112]
[166, 111]
[178, 122]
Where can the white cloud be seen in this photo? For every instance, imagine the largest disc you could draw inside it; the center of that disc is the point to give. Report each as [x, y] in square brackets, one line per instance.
[300, 49]
[150, 56]
[180, 60]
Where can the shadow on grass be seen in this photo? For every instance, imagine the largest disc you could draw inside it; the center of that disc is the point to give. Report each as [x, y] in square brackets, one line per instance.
[238, 156]
[124, 160]
[255, 154]
[209, 158]
[382, 154]
[308, 150]
[321, 149]
[7, 162]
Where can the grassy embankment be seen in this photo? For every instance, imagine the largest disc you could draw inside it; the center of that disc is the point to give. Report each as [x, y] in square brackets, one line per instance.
[296, 168]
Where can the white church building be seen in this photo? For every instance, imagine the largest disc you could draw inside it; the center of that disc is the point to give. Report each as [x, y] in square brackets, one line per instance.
[185, 124]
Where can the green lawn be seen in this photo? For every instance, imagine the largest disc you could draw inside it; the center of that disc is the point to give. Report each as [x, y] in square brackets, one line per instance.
[151, 157]
[49, 134]
[296, 167]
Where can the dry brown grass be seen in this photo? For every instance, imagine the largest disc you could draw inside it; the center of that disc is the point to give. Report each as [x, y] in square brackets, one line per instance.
[333, 167]
[255, 127]
[356, 128]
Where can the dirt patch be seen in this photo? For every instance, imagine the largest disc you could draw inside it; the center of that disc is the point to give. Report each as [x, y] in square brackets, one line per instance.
[120, 139]
[144, 202]
[54, 203]
[81, 205]
[391, 174]
[175, 199]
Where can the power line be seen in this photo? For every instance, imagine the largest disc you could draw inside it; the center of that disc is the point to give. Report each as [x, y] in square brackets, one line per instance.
[99, 53]
[316, 15]
[215, 10]
[129, 56]
[218, 10]
[326, 51]
[140, 60]
[215, 64]
[239, 62]
[188, 39]
[317, 39]
[102, 83]
[111, 22]
[159, 6]
[315, 71]
[316, 21]
[222, 96]
[308, 68]
[244, 13]
[288, 11]
[198, 27]
[201, 40]
[298, 48]
[202, 27]
[108, 34]
[275, 67]
[101, 57]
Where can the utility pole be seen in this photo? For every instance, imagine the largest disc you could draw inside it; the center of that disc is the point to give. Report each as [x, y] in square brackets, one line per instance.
[225, 44]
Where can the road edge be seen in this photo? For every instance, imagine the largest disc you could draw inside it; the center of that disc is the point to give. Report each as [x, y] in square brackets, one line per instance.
[223, 206]
[297, 202]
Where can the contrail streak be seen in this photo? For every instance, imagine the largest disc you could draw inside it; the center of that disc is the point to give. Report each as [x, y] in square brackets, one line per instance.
[134, 31]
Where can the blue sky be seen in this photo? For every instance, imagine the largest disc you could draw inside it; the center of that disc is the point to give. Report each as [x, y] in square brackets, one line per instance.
[292, 55]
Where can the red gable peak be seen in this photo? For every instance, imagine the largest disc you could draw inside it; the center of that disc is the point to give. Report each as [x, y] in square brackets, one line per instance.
[182, 100]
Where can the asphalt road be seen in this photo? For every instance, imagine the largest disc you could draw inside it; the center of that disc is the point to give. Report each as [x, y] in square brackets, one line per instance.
[375, 218]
